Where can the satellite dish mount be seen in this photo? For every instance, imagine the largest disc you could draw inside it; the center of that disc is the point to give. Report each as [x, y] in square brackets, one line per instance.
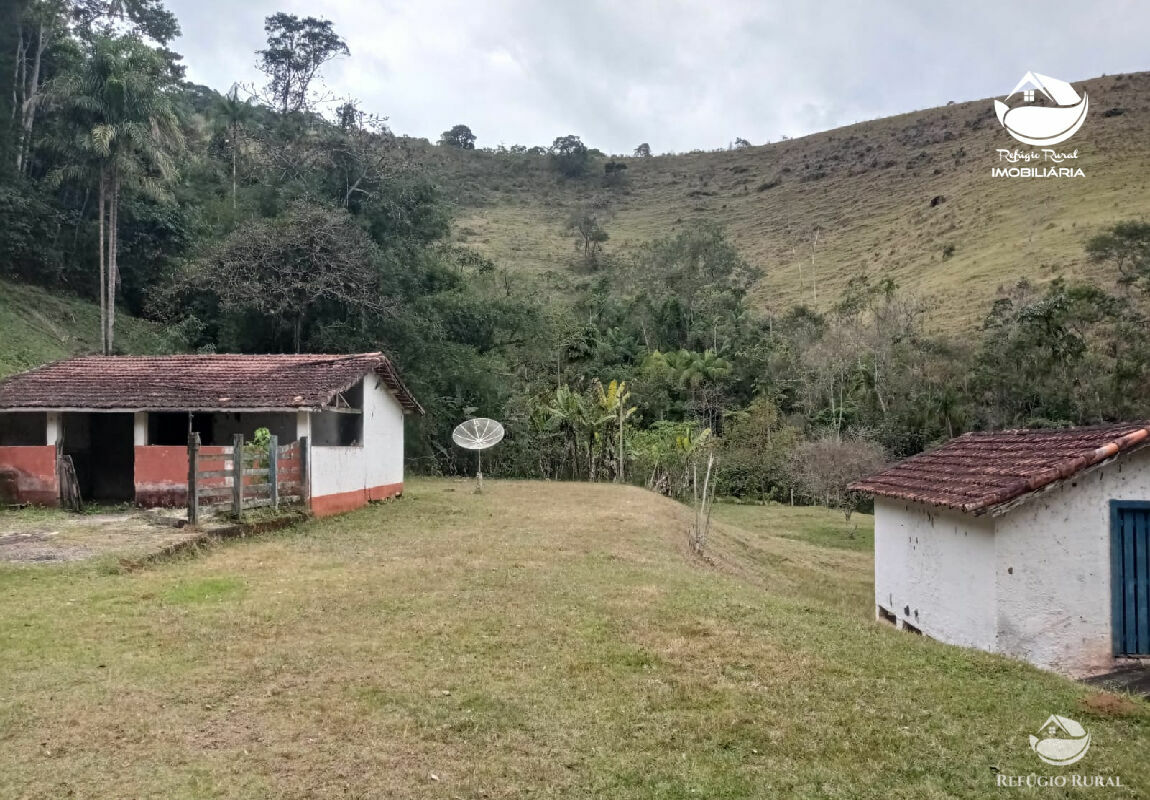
[478, 434]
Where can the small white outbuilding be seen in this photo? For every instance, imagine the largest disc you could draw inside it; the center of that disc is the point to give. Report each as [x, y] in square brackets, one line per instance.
[1030, 543]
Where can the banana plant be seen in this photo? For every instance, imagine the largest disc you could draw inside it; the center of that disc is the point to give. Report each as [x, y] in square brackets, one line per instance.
[612, 403]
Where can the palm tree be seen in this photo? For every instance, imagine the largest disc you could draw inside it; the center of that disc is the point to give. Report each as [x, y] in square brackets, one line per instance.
[701, 373]
[236, 114]
[128, 133]
[568, 413]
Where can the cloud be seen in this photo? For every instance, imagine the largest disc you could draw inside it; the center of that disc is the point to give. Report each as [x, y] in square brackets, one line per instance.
[679, 75]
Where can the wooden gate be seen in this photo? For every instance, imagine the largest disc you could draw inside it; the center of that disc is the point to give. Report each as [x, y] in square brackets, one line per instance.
[1130, 576]
[242, 477]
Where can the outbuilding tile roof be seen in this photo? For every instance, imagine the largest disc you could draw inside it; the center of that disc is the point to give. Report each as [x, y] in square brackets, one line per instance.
[198, 382]
[977, 472]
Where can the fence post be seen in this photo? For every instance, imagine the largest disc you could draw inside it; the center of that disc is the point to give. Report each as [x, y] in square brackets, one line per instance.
[238, 475]
[304, 477]
[273, 470]
[193, 482]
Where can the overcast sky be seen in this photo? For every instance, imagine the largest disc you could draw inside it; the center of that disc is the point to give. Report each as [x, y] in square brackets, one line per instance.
[679, 75]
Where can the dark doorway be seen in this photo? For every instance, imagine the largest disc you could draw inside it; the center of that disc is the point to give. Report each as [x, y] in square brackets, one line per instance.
[101, 447]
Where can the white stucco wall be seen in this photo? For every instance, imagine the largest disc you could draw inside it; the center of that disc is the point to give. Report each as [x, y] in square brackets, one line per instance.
[1033, 583]
[1053, 569]
[934, 569]
[383, 429]
[378, 462]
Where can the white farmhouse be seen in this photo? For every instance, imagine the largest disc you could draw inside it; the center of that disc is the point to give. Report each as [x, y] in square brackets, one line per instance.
[1030, 543]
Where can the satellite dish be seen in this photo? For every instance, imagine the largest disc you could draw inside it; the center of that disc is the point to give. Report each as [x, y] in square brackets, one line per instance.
[478, 434]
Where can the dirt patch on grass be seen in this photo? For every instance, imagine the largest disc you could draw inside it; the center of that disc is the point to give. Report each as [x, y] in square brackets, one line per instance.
[54, 536]
[1105, 704]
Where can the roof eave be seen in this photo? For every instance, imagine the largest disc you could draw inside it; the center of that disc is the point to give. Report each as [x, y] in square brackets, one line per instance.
[1023, 491]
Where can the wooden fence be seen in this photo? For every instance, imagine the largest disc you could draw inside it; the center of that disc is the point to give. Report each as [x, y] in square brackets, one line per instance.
[258, 477]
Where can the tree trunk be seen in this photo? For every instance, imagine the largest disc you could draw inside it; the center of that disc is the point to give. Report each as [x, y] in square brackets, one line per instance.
[877, 392]
[28, 108]
[103, 204]
[234, 143]
[18, 71]
[619, 471]
[297, 333]
[113, 260]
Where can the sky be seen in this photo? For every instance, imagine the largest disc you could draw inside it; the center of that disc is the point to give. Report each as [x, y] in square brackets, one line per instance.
[679, 75]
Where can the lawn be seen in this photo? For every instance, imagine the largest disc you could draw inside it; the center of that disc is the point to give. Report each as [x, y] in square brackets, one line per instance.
[542, 639]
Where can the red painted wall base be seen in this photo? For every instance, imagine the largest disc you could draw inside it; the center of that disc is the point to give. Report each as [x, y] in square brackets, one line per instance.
[161, 476]
[328, 504]
[29, 475]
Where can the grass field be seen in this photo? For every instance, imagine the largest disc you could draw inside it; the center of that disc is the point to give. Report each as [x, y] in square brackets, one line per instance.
[38, 326]
[886, 197]
[540, 640]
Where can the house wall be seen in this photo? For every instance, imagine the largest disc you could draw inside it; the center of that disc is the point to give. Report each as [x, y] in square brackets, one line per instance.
[345, 478]
[161, 475]
[28, 475]
[934, 569]
[1053, 569]
[161, 472]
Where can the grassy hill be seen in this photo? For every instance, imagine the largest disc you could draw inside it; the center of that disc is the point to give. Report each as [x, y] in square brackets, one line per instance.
[38, 326]
[542, 639]
[867, 189]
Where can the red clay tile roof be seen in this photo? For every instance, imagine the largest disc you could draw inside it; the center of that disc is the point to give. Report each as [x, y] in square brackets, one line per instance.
[199, 383]
[979, 471]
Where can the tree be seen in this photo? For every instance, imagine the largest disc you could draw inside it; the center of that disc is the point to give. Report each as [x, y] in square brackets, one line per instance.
[236, 114]
[702, 376]
[589, 236]
[35, 29]
[643, 151]
[669, 452]
[128, 134]
[145, 18]
[689, 288]
[39, 24]
[826, 466]
[613, 172]
[460, 137]
[569, 156]
[568, 414]
[1126, 246]
[297, 48]
[284, 268]
[757, 450]
[1073, 355]
[362, 154]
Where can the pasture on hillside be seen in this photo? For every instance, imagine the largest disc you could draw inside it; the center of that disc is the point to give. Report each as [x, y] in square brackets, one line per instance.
[540, 639]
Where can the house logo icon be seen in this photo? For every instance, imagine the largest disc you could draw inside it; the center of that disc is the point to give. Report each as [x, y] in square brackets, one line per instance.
[1047, 124]
[1063, 741]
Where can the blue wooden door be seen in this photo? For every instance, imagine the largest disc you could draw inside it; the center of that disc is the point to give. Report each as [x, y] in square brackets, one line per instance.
[1130, 576]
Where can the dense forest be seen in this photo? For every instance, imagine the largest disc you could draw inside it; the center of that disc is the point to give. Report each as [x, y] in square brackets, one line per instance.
[272, 218]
